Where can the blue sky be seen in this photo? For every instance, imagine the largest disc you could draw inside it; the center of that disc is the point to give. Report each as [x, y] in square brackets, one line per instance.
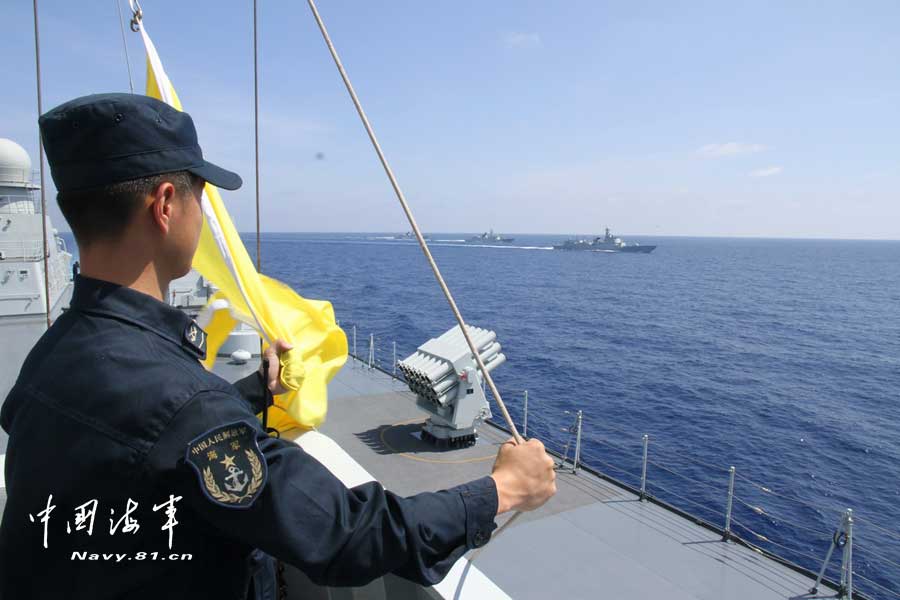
[702, 118]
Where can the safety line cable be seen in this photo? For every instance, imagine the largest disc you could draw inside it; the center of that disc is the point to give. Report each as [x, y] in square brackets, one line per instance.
[878, 585]
[866, 552]
[705, 484]
[761, 511]
[768, 490]
[871, 523]
[655, 486]
[767, 540]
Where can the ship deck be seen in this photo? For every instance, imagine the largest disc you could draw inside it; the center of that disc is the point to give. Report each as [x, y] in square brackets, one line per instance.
[594, 539]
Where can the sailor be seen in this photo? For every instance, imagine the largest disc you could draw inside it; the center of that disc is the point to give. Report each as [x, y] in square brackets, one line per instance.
[131, 471]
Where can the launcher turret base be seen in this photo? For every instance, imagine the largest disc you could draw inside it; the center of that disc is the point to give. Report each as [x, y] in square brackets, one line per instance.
[444, 437]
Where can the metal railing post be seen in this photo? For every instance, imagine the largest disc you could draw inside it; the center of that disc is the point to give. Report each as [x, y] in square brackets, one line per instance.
[845, 529]
[371, 350]
[644, 467]
[847, 560]
[577, 442]
[355, 355]
[395, 359]
[727, 535]
[525, 418]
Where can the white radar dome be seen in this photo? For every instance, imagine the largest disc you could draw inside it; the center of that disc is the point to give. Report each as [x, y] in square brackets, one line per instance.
[15, 164]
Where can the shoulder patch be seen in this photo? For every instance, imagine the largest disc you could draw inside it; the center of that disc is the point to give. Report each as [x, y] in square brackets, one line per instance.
[229, 464]
[194, 338]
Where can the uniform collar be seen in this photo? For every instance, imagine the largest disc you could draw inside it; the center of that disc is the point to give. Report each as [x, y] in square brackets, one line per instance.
[95, 296]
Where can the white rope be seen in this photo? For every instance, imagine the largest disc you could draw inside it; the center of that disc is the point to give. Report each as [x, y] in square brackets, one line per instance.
[415, 227]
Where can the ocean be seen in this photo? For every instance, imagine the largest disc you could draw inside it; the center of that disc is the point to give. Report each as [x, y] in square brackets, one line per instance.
[778, 357]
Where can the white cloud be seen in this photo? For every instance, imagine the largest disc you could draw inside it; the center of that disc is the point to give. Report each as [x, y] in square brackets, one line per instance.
[521, 39]
[766, 172]
[729, 149]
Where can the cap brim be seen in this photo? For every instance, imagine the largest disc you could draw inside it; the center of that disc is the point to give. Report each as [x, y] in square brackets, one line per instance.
[216, 175]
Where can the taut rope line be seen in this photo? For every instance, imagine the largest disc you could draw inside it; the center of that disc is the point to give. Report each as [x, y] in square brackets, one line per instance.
[414, 225]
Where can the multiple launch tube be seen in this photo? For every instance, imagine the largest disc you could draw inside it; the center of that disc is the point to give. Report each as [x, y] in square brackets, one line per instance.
[435, 371]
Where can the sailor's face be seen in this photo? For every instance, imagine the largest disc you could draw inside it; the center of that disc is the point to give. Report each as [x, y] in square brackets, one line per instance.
[194, 217]
[189, 225]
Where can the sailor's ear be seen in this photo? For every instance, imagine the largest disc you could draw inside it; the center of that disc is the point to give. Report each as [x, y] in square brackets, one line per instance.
[162, 205]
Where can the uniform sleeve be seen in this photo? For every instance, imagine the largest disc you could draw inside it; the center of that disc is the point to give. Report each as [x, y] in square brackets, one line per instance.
[251, 389]
[306, 517]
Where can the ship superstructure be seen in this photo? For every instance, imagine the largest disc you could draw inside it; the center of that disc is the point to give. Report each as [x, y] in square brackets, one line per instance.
[23, 289]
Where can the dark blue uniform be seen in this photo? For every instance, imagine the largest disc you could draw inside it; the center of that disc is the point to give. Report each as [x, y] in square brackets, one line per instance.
[113, 411]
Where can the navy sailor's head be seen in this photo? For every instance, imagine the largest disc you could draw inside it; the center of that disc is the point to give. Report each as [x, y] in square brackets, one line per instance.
[129, 174]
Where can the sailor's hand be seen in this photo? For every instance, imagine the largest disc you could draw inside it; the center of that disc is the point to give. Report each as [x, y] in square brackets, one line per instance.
[273, 377]
[524, 476]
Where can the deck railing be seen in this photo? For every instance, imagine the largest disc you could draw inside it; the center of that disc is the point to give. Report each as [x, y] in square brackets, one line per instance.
[826, 555]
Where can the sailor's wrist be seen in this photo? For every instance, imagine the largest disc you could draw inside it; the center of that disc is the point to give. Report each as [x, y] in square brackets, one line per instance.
[506, 499]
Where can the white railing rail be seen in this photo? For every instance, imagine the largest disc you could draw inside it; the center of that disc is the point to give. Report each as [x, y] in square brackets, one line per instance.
[19, 204]
[27, 250]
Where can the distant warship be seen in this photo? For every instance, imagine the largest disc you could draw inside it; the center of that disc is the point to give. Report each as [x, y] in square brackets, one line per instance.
[409, 236]
[607, 243]
[490, 236]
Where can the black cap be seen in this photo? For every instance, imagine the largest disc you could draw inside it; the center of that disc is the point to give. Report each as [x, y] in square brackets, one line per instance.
[107, 138]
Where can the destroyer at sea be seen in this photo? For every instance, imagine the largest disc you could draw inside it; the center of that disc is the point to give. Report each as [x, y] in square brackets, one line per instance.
[490, 236]
[607, 243]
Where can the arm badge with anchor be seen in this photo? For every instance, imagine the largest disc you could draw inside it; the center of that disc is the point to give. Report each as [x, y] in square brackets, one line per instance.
[229, 464]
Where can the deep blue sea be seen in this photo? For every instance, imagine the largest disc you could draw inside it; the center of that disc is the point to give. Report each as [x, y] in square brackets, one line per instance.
[780, 357]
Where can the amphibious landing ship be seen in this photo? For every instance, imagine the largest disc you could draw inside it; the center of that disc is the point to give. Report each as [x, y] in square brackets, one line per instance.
[597, 538]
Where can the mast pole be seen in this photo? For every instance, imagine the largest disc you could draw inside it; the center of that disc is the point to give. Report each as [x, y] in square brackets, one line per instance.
[37, 63]
[256, 135]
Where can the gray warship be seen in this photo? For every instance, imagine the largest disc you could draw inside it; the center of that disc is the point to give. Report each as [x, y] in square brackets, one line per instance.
[607, 243]
[597, 538]
[408, 236]
[491, 237]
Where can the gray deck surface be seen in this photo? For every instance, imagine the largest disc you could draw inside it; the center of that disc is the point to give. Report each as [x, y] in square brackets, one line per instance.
[592, 540]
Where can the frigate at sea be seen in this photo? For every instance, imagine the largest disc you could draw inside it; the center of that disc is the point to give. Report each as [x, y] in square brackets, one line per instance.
[491, 237]
[607, 243]
[421, 423]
